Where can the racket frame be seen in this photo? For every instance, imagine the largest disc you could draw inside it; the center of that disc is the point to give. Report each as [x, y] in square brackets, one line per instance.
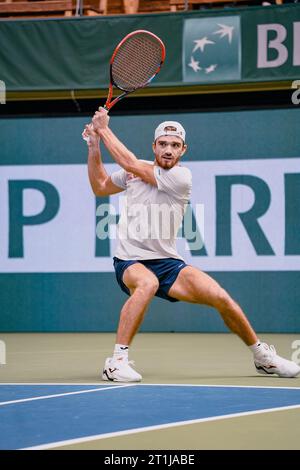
[109, 104]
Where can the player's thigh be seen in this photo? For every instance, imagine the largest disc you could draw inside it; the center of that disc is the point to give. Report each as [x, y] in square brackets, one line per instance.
[137, 275]
[195, 286]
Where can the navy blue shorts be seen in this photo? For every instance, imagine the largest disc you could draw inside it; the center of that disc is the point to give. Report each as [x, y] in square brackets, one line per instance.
[166, 270]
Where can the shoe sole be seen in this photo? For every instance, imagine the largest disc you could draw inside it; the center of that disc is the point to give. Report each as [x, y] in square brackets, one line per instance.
[106, 377]
[263, 371]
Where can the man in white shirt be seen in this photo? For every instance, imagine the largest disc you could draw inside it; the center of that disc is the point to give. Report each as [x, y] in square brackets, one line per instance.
[146, 261]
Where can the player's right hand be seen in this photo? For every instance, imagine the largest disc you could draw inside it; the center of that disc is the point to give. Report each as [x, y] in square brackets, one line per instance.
[100, 119]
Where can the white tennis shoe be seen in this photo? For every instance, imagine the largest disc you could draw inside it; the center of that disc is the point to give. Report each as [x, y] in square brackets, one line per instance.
[268, 362]
[120, 371]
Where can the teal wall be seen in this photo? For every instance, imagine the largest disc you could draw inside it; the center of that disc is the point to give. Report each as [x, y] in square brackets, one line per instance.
[211, 136]
[91, 301]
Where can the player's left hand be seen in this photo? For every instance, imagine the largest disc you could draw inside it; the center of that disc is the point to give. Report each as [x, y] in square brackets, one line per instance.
[90, 135]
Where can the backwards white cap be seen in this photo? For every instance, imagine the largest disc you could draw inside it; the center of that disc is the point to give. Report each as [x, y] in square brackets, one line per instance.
[170, 128]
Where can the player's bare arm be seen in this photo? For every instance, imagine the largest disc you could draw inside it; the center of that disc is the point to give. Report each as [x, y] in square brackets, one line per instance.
[120, 153]
[100, 181]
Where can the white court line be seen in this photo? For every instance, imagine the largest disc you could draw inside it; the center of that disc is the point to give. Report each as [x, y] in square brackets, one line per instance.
[45, 397]
[156, 427]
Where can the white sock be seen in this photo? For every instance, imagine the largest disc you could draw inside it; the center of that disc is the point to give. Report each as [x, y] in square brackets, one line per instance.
[255, 348]
[121, 352]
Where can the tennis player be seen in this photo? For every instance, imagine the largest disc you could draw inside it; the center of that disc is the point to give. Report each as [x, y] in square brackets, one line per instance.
[146, 262]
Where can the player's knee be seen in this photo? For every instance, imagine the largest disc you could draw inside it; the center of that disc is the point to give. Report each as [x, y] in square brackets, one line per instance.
[223, 301]
[148, 287]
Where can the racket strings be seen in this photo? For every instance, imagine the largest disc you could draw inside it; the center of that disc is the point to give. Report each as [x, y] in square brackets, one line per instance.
[136, 62]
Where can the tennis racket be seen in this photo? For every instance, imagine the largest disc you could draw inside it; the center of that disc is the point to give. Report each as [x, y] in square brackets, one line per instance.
[136, 60]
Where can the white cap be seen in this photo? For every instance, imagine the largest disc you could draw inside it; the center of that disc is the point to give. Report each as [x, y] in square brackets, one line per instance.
[170, 128]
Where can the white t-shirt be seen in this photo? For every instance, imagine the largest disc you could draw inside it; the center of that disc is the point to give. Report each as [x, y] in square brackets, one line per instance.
[151, 216]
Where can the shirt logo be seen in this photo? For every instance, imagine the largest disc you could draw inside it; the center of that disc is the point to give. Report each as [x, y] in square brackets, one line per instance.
[131, 176]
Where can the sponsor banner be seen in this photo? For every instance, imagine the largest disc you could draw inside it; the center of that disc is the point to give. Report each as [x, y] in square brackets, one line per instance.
[212, 49]
[228, 45]
[261, 44]
[244, 216]
[271, 44]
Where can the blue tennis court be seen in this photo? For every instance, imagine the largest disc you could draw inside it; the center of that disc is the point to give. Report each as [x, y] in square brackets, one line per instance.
[45, 416]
